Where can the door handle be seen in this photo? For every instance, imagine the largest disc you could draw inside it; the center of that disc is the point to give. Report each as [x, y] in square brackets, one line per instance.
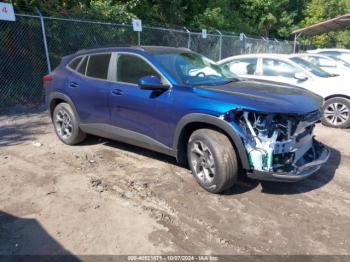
[73, 85]
[117, 92]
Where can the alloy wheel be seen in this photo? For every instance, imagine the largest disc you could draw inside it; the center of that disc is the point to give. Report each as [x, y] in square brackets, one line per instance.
[336, 114]
[63, 124]
[202, 161]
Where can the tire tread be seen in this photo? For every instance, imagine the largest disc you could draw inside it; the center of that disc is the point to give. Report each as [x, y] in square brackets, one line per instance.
[226, 150]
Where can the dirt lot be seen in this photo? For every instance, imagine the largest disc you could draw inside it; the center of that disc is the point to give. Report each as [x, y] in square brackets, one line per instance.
[104, 197]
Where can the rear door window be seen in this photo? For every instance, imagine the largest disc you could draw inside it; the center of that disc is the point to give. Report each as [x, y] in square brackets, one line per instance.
[98, 66]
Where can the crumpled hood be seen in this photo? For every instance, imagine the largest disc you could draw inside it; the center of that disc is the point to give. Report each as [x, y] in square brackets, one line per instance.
[264, 96]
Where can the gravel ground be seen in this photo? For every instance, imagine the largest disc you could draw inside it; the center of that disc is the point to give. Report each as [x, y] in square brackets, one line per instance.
[105, 197]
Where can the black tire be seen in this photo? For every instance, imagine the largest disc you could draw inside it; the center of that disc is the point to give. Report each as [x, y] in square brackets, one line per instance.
[340, 120]
[223, 156]
[76, 135]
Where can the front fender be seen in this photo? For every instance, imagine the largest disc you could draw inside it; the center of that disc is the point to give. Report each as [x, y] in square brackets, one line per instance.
[219, 123]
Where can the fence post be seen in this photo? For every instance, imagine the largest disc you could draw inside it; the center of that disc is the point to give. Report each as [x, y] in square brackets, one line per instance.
[220, 47]
[44, 40]
[295, 43]
[266, 43]
[189, 38]
[243, 38]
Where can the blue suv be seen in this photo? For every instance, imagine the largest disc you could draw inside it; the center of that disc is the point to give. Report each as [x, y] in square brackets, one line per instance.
[182, 104]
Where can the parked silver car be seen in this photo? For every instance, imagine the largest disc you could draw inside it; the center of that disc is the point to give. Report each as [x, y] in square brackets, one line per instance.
[332, 65]
[341, 53]
[291, 69]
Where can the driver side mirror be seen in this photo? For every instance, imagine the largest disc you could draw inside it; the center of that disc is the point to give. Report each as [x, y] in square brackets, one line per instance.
[151, 83]
[300, 76]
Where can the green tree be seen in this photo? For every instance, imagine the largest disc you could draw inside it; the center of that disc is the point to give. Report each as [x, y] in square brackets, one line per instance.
[268, 18]
[111, 10]
[320, 10]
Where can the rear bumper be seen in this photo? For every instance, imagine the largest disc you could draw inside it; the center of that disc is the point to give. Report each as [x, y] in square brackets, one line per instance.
[299, 172]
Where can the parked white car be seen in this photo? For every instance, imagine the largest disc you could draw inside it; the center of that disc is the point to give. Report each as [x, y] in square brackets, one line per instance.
[329, 64]
[291, 69]
[343, 54]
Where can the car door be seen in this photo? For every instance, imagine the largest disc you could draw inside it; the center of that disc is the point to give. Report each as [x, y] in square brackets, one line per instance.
[145, 112]
[89, 88]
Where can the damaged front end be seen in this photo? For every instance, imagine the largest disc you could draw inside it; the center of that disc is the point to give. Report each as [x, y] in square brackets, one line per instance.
[280, 147]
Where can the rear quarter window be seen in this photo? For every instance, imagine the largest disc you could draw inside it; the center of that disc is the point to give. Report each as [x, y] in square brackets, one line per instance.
[82, 66]
[74, 63]
[98, 66]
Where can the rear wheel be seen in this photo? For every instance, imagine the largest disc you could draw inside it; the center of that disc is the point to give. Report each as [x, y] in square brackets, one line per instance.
[336, 112]
[212, 160]
[66, 125]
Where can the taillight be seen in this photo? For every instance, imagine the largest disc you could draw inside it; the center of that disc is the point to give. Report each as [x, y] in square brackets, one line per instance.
[46, 79]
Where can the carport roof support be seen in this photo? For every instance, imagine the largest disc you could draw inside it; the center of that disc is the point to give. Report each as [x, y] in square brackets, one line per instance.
[337, 23]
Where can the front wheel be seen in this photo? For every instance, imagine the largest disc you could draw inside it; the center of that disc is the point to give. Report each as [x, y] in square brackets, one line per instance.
[336, 112]
[212, 160]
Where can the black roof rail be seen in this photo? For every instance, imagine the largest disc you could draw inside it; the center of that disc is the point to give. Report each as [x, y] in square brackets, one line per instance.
[108, 47]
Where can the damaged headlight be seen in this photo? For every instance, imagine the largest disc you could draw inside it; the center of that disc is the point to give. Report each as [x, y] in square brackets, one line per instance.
[270, 139]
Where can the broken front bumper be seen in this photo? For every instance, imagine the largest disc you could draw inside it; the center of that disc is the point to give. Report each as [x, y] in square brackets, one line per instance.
[298, 172]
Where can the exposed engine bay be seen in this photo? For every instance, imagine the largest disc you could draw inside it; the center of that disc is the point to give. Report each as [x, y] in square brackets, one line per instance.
[276, 142]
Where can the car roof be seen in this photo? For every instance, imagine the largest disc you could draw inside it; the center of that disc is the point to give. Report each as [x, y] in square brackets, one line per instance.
[260, 55]
[132, 49]
[164, 49]
[314, 55]
[328, 49]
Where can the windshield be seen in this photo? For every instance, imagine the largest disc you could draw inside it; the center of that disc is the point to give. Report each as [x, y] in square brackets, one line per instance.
[310, 67]
[193, 69]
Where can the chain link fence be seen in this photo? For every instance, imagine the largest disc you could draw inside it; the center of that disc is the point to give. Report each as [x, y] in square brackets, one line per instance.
[23, 62]
[32, 45]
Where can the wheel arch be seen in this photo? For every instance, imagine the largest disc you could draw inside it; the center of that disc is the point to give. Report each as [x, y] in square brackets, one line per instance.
[337, 95]
[55, 98]
[194, 121]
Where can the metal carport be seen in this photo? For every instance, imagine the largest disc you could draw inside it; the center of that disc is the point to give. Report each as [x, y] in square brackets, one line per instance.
[337, 23]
